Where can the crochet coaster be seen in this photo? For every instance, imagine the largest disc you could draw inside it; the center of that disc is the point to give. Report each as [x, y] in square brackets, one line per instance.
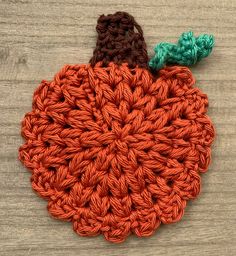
[117, 146]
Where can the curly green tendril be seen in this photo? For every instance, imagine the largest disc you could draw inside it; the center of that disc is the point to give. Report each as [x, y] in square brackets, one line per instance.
[186, 52]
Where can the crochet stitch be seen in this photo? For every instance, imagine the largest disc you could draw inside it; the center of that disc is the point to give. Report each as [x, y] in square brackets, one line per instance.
[112, 147]
[120, 40]
[188, 51]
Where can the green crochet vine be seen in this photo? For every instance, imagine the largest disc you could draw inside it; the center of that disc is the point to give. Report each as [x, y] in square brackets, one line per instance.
[186, 52]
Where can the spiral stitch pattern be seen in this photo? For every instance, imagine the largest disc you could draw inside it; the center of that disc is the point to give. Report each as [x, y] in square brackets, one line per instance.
[115, 150]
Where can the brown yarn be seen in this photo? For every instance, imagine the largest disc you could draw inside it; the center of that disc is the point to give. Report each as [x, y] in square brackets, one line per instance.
[118, 41]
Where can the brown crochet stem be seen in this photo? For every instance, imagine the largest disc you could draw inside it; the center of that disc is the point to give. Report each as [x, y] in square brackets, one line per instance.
[120, 39]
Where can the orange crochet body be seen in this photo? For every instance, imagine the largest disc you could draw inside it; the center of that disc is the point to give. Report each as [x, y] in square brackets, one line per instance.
[116, 149]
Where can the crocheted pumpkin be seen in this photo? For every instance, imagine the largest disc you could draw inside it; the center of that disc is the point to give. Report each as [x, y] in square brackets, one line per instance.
[115, 146]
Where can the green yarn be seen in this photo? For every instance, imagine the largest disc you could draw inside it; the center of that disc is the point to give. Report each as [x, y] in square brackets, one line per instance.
[186, 52]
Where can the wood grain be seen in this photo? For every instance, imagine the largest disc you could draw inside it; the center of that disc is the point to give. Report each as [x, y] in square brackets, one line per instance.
[36, 39]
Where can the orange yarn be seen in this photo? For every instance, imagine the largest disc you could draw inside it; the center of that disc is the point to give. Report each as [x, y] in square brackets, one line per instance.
[115, 150]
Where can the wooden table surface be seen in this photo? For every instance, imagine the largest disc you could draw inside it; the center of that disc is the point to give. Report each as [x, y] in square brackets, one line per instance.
[36, 39]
